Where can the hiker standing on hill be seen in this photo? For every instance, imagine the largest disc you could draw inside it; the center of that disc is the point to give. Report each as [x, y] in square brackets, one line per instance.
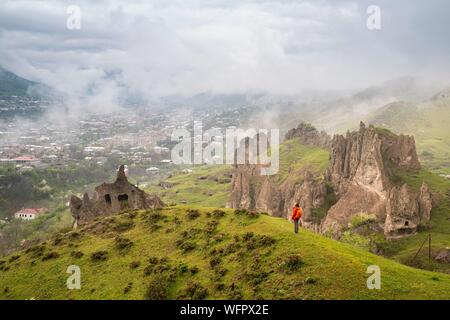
[296, 215]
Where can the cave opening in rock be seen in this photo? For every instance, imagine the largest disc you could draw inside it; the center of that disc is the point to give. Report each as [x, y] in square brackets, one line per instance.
[108, 199]
[406, 223]
[123, 200]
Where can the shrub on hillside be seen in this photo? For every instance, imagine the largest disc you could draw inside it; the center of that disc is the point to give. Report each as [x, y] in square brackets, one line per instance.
[155, 217]
[123, 243]
[76, 254]
[310, 280]
[14, 258]
[218, 213]
[128, 287]
[240, 212]
[36, 251]
[187, 246]
[123, 225]
[74, 235]
[362, 219]
[194, 270]
[192, 214]
[50, 255]
[255, 277]
[131, 215]
[194, 291]
[211, 227]
[158, 288]
[292, 263]
[99, 255]
[214, 262]
[153, 260]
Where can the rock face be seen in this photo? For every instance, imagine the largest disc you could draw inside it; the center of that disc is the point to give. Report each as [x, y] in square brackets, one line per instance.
[111, 198]
[443, 255]
[359, 175]
[425, 203]
[310, 135]
[402, 212]
[405, 209]
[252, 191]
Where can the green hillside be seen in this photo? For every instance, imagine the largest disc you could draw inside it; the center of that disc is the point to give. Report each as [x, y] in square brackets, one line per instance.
[181, 253]
[404, 250]
[206, 185]
[296, 157]
[428, 122]
[209, 185]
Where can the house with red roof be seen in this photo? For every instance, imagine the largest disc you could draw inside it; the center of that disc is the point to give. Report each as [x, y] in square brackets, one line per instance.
[29, 213]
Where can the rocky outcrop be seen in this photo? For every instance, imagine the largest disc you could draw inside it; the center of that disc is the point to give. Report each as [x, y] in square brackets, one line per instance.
[443, 255]
[356, 159]
[310, 195]
[425, 203]
[406, 209]
[244, 185]
[309, 135]
[360, 174]
[252, 191]
[111, 198]
[402, 212]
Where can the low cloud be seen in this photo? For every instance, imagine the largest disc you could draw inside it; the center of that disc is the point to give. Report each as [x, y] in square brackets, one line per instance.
[159, 48]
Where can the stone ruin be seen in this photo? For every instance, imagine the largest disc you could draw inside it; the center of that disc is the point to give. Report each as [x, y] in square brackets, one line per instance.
[112, 198]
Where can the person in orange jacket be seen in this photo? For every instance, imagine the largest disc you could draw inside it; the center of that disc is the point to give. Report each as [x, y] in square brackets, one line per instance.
[296, 216]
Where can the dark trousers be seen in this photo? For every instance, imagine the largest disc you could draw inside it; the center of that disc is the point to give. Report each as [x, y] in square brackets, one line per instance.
[296, 225]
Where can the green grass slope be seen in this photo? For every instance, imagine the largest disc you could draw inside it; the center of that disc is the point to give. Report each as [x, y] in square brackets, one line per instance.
[405, 249]
[210, 185]
[428, 122]
[295, 157]
[206, 254]
[206, 185]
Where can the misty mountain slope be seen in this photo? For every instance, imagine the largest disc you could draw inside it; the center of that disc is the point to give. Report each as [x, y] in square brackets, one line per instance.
[427, 121]
[24, 98]
[11, 84]
[180, 253]
[345, 113]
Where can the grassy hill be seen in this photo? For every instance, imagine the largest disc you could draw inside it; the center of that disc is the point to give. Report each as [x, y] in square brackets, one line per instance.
[206, 185]
[295, 156]
[181, 253]
[209, 185]
[404, 250]
[428, 122]
[200, 250]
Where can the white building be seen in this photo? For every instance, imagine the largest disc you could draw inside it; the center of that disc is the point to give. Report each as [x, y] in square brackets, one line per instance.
[152, 170]
[29, 213]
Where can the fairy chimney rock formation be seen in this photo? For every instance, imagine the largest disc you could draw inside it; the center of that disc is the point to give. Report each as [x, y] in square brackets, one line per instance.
[360, 174]
[359, 178]
[111, 198]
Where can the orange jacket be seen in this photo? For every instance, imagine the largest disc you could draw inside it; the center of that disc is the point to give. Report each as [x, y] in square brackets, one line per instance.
[297, 213]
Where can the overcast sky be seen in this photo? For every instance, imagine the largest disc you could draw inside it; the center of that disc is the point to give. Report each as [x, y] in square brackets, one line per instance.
[165, 47]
